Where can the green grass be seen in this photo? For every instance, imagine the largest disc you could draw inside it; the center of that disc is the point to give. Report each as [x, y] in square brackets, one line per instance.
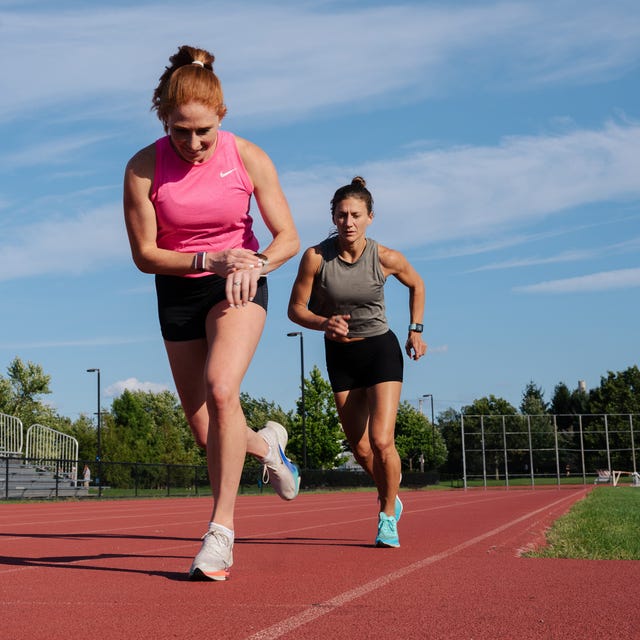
[603, 526]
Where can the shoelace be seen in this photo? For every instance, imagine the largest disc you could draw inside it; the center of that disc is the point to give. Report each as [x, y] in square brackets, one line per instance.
[218, 536]
[265, 469]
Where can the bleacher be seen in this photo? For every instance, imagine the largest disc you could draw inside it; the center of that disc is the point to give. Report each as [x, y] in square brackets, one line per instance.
[48, 467]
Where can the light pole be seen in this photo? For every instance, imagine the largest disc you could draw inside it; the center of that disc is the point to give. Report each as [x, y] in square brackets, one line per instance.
[433, 428]
[99, 447]
[293, 334]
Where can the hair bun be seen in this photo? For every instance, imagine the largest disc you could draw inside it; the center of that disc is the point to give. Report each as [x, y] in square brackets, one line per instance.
[359, 181]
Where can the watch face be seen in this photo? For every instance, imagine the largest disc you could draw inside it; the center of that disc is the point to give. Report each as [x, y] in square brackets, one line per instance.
[415, 327]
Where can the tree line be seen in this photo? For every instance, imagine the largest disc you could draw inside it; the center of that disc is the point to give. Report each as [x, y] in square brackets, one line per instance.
[147, 427]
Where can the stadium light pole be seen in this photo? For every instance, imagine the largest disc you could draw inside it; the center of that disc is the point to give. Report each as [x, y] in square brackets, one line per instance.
[293, 334]
[433, 427]
[99, 447]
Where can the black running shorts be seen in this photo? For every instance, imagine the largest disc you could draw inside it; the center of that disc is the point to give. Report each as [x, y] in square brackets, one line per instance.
[363, 363]
[183, 304]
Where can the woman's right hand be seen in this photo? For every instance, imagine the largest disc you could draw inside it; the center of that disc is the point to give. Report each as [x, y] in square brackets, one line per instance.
[337, 327]
[224, 263]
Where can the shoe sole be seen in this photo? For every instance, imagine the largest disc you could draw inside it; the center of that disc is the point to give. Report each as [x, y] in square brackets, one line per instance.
[198, 575]
[386, 545]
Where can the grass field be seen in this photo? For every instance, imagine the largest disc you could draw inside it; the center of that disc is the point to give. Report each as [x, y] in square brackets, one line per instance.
[603, 526]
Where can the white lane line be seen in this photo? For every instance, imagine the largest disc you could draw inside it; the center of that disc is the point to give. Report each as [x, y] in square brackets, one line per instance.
[318, 610]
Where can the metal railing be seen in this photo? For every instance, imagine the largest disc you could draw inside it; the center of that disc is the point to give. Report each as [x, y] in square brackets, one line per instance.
[11, 435]
[45, 445]
[565, 448]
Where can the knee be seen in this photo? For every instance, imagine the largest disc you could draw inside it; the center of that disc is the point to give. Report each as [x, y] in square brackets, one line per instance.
[222, 397]
[362, 453]
[383, 445]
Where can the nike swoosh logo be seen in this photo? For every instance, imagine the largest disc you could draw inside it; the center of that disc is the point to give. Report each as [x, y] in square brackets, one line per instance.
[224, 174]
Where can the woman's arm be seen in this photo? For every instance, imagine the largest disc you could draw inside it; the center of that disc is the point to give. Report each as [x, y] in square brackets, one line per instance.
[394, 263]
[336, 327]
[140, 219]
[272, 204]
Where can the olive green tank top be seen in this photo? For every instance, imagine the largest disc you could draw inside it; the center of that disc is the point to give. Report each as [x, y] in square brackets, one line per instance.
[355, 288]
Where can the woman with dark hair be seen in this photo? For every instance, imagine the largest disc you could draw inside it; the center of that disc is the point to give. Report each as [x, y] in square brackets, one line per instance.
[339, 290]
[186, 202]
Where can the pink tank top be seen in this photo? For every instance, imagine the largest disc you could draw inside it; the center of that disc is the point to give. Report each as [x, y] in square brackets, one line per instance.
[203, 207]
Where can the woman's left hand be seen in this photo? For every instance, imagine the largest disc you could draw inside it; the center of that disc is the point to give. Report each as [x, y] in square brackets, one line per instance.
[415, 346]
[241, 286]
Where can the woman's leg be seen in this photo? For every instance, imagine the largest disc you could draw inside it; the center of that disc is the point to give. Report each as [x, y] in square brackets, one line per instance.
[187, 360]
[368, 418]
[383, 399]
[207, 374]
[233, 336]
[353, 411]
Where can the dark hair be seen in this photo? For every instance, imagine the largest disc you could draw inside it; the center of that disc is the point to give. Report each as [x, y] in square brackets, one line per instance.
[183, 82]
[357, 189]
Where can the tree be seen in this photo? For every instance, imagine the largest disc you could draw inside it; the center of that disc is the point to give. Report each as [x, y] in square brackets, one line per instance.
[145, 427]
[449, 426]
[566, 403]
[19, 394]
[618, 393]
[487, 426]
[533, 403]
[416, 437]
[325, 439]
[618, 396]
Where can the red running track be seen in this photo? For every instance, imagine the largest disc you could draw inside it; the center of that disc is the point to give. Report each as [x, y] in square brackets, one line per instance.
[308, 568]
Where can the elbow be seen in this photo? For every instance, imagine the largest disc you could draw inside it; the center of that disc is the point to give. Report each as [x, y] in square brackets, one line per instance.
[293, 312]
[142, 263]
[294, 246]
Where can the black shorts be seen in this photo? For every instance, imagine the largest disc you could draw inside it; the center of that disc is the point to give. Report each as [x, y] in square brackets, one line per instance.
[183, 304]
[363, 363]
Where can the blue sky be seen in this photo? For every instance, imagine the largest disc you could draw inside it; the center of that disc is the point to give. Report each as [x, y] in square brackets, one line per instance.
[501, 141]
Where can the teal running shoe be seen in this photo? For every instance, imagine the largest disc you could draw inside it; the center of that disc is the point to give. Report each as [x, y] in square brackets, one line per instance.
[399, 508]
[387, 531]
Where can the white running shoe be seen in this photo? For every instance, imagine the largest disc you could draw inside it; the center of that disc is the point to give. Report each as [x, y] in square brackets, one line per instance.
[214, 558]
[283, 474]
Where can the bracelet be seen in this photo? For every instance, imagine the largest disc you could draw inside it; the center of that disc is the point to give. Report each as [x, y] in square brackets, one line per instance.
[200, 261]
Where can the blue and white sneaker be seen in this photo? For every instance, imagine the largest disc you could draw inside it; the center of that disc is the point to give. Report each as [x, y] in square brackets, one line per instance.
[387, 531]
[283, 474]
[399, 507]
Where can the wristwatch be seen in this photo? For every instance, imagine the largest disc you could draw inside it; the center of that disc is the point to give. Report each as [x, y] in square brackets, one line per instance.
[415, 326]
[263, 261]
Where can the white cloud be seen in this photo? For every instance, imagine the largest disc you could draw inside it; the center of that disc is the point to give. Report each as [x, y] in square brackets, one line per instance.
[565, 256]
[133, 384]
[476, 192]
[603, 281]
[348, 54]
[421, 199]
[70, 246]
